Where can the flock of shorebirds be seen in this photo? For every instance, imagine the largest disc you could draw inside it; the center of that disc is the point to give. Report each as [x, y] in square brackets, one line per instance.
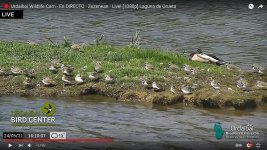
[69, 79]
[67, 76]
[206, 58]
[241, 83]
[55, 67]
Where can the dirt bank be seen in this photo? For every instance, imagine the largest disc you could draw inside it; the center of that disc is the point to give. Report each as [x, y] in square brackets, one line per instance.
[204, 96]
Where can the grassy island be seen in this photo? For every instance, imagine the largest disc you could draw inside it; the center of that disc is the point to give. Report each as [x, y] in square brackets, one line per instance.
[126, 66]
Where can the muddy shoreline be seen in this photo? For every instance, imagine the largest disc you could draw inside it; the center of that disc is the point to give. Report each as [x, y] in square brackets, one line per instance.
[204, 97]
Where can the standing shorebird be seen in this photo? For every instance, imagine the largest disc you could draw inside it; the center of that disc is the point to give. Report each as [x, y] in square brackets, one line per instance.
[53, 69]
[109, 79]
[93, 76]
[156, 87]
[66, 80]
[214, 84]
[48, 82]
[257, 68]
[186, 90]
[146, 85]
[16, 70]
[28, 83]
[5, 72]
[261, 84]
[66, 69]
[98, 67]
[148, 66]
[79, 79]
[241, 83]
[173, 67]
[77, 46]
[187, 68]
[172, 89]
[55, 62]
[232, 67]
[2, 71]
[195, 71]
[187, 79]
[195, 86]
[31, 42]
[30, 73]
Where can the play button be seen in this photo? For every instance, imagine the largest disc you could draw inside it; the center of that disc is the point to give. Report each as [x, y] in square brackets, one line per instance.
[9, 145]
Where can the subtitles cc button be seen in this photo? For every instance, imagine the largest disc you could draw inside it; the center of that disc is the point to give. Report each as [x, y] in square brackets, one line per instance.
[11, 14]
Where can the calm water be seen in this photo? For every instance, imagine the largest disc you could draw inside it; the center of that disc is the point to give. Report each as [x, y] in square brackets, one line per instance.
[89, 117]
[232, 31]
[227, 29]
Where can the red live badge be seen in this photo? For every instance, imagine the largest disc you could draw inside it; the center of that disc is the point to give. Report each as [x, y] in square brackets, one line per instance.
[6, 6]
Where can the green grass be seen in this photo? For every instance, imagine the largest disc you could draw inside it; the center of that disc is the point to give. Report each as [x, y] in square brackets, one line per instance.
[117, 61]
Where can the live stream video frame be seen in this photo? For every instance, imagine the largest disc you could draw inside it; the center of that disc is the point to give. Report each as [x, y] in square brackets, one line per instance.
[133, 74]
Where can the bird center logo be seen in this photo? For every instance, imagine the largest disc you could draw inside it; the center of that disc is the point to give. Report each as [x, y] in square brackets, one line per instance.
[48, 109]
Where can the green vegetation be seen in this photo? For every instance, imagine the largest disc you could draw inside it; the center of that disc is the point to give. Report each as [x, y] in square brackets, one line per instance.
[118, 62]
[126, 66]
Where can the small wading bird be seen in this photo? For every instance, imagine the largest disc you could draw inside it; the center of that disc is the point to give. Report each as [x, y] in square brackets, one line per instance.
[187, 79]
[207, 58]
[48, 82]
[5, 72]
[214, 84]
[79, 79]
[77, 46]
[66, 69]
[156, 87]
[55, 62]
[186, 90]
[148, 66]
[30, 73]
[31, 42]
[187, 68]
[232, 67]
[108, 79]
[93, 76]
[257, 68]
[146, 85]
[172, 67]
[194, 71]
[241, 83]
[2, 71]
[66, 80]
[27, 83]
[195, 86]
[53, 69]
[172, 89]
[98, 67]
[261, 84]
[16, 70]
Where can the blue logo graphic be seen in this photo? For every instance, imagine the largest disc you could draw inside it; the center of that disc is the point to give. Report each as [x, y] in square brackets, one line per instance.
[218, 130]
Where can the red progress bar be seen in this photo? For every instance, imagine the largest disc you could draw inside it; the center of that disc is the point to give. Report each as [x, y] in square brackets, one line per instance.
[62, 140]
